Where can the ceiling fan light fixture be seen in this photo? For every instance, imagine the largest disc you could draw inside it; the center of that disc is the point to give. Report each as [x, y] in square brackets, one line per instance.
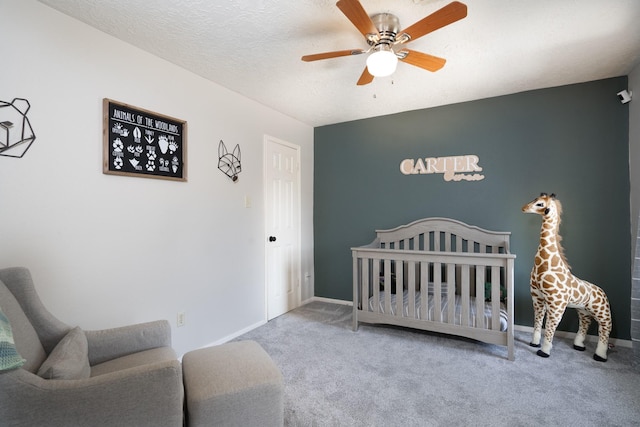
[382, 32]
[382, 63]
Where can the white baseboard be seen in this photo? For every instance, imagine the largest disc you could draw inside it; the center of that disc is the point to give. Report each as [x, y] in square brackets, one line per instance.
[236, 334]
[590, 338]
[329, 300]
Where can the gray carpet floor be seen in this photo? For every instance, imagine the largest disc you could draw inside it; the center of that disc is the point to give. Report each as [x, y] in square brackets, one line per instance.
[389, 376]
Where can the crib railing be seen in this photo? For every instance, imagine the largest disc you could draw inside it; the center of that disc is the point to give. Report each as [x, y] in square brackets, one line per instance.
[487, 277]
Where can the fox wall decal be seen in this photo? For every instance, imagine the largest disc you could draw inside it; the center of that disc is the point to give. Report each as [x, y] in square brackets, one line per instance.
[229, 163]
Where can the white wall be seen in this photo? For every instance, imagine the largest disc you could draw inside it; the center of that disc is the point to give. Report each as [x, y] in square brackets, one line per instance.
[109, 250]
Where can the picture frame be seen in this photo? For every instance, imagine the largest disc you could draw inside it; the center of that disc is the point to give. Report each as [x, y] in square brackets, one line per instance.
[143, 143]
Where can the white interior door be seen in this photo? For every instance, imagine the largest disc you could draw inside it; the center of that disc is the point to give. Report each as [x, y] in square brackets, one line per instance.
[282, 212]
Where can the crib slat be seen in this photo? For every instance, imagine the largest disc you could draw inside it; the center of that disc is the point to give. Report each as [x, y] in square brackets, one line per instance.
[399, 287]
[437, 287]
[375, 275]
[364, 284]
[411, 289]
[451, 293]
[447, 242]
[387, 286]
[424, 289]
[480, 281]
[495, 298]
[464, 295]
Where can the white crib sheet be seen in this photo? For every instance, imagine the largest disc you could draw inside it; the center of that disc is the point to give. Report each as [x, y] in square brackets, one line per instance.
[431, 312]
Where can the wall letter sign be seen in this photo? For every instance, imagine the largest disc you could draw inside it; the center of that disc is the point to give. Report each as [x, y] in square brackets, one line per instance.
[454, 168]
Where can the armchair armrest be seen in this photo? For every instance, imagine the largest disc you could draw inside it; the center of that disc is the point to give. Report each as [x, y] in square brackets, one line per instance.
[109, 344]
[149, 395]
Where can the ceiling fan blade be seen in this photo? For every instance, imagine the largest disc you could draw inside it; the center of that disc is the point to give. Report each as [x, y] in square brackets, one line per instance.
[422, 60]
[449, 14]
[365, 78]
[354, 11]
[327, 55]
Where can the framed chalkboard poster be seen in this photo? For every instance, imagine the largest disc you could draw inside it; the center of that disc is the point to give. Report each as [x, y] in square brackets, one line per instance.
[138, 142]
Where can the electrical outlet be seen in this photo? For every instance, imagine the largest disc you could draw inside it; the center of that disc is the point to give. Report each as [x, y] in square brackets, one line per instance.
[180, 319]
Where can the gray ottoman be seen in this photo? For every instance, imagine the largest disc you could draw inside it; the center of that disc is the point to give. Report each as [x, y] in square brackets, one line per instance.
[233, 384]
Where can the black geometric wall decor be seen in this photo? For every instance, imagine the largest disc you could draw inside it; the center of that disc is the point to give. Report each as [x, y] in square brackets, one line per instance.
[16, 133]
[229, 163]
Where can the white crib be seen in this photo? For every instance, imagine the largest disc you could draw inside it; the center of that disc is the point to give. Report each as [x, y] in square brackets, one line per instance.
[453, 278]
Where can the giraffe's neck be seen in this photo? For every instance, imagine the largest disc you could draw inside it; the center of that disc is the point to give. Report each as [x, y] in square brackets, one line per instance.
[550, 251]
[549, 233]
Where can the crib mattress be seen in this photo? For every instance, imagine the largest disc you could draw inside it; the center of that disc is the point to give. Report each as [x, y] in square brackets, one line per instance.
[444, 301]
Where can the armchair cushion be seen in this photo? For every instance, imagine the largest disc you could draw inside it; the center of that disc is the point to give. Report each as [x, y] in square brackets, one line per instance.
[69, 360]
[109, 344]
[9, 357]
[142, 358]
[25, 336]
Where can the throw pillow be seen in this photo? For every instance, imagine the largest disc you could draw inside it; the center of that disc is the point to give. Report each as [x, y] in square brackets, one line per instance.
[69, 360]
[9, 357]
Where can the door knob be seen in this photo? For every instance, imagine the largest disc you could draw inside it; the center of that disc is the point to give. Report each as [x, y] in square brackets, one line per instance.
[272, 238]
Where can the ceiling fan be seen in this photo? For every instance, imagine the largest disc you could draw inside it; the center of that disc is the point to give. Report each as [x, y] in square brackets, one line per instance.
[381, 33]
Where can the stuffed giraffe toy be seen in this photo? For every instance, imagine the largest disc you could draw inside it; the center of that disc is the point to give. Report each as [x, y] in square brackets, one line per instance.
[554, 287]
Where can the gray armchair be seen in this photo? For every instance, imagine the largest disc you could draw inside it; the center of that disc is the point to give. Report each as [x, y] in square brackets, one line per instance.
[127, 376]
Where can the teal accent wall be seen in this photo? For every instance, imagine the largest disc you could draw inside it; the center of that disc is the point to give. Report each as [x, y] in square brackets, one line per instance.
[570, 140]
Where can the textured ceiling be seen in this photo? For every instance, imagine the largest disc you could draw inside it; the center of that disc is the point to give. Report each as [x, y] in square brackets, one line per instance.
[253, 47]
